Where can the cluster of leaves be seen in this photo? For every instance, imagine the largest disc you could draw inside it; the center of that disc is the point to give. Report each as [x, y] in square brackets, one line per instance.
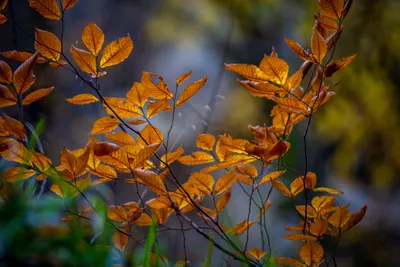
[145, 155]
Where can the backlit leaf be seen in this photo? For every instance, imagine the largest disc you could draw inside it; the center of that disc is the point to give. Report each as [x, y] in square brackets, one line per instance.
[23, 77]
[250, 72]
[14, 127]
[116, 52]
[183, 78]
[67, 4]
[104, 125]
[300, 237]
[261, 89]
[48, 44]
[5, 73]
[311, 253]
[288, 262]
[328, 190]
[3, 19]
[201, 181]
[47, 8]
[198, 157]
[157, 90]
[205, 141]
[300, 52]
[331, 8]
[223, 200]
[297, 186]
[117, 213]
[322, 201]
[335, 66]
[275, 68]
[144, 154]
[120, 238]
[318, 227]
[265, 208]
[270, 177]
[121, 138]
[281, 187]
[20, 56]
[156, 107]
[150, 135]
[151, 180]
[36, 95]
[171, 156]
[190, 90]
[318, 46]
[327, 23]
[85, 60]
[239, 228]
[93, 38]
[256, 253]
[138, 94]
[82, 99]
[355, 218]
[234, 145]
[6, 97]
[123, 108]
[14, 174]
[225, 182]
[340, 217]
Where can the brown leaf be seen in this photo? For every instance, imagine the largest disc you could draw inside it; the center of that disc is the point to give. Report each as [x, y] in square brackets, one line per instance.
[3, 19]
[14, 127]
[340, 217]
[48, 44]
[223, 200]
[311, 253]
[36, 95]
[85, 60]
[318, 46]
[190, 90]
[47, 8]
[67, 4]
[156, 90]
[5, 73]
[23, 76]
[116, 52]
[203, 182]
[300, 52]
[6, 97]
[93, 38]
[82, 99]
[151, 180]
[331, 8]
[355, 218]
[335, 66]
[20, 56]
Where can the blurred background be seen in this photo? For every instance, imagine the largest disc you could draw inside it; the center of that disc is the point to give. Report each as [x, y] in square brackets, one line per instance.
[354, 144]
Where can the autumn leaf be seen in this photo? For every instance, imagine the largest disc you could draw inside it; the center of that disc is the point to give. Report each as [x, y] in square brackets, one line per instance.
[328, 190]
[82, 99]
[205, 141]
[250, 72]
[47, 44]
[183, 78]
[318, 46]
[275, 68]
[225, 182]
[223, 200]
[67, 190]
[234, 145]
[67, 4]
[203, 182]
[138, 94]
[36, 95]
[270, 177]
[318, 227]
[104, 125]
[335, 66]
[288, 262]
[265, 208]
[117, 213]
[256, 253]
[20, 56]
[156, 107]
[14, 174]
[85, 60]
[281, 187]
[150, 135]
[239, 228]
[247, 170]
[340, 217]
[93, 38]
[355, 218]
[3, 19]
[156, 90]
[144, 154]
[5, 72]
[331, 8]
[121, 138]
[14, 127]
[300, 51]
[120, 238]
[6, 97]
[190, 90]
[311, 253]
[116, 52]
[3, 4]
[123, 108]
[326, 23]
[47, 8]
[151, 180]
[23, 77]
[197, 158]
[320, 202]
[171, 156]
[261, 89]
[300, 237]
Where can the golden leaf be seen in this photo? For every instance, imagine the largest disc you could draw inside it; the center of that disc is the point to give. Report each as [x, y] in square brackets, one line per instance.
[326, 23]
[117, 213]
[275, 68]
[190, 90]
[234, 145]
[201, 181]
[36, 95]
[20, 56]
[205, 141]
[221, 152]
[23, 77]
[47, 44]
[225, 182]
[85, 60]
[288, 262]
[144, 154]
[265, 208]
[355, 218]
[295, 80]
[104, 125]
[103, 171]
[261, 89]
[82, 99]
[160, 202]
[6, 97]
[47, 8]
[331, 8]
[281, 187]
[121, 107]
[120, 238]
[256, 253]
[67, 190]
[197, 158]
[300, 52]
[250, 72]
[5, 73]
[171, 156]
[156, 90]
[93, 38]
[14, 174]
[41, 162]
[150, 135]
[183, 78]
[318, 227]
[290, 105]
[340, 217]
[156, 107]
[116, 52]
[138, 94]
[151, 180]
[14, 127]
[17, 152]
[121, 138]
[67, 4]
[239, 228]
[247, 170]
[322, 201]
[300, 237]
[318, 46]
[144, 220]
[297, 186]
[223, 200]
[328, 190]
[270, 177]
[311, 253]
[136, 122]
[335, 66]
[118, 159]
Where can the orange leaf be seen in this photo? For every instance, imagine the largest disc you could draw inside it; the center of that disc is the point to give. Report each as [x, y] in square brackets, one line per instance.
[281, 187]
[183, 78]
[47, 8]
[201, 181]
[82, 99]
[14, 127]
[290, 105]
[144, 154]
[121, 107]
[93, 38]
[234, 145]
[3, 4]
[116, 52]
[355, 218]
[340, 217]
[14, 174]
[300, 237]
[156, 90]
[190, 90]
[151, 180]
[23, 76]
[318, 227]
[297, 186]
[6, 97]
[275, 68]
[20, 56]
[104, 125]
[288, 262]
[85, 60]
[239, 228]
[138, 94]
[5, 73]
[171, 156]
[265, 208]
[318, 46]
[36, 95]
[311, 253]
[223, 200]
[117, 213]
[150, 135]
[156, 107]
[300, 52]
[197, 158]
[48, 44]
[121, 138]
[327, 23]
[256, 253]
[67, 4]
[247, 170]
[331, 8]
[205, 141]
[225, 182]
[328, 190]
[120, 239]
[250, 72]
[261, 89]
[335, 66]
[3, 19]
[322, 201]
[270, 177]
